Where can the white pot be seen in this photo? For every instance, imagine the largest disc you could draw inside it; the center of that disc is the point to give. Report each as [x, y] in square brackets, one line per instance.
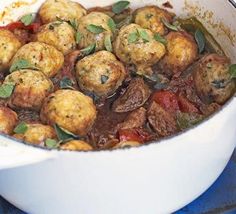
[156, 178]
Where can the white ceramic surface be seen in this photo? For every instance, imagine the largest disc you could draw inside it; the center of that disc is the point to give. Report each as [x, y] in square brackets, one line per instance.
[158, 178]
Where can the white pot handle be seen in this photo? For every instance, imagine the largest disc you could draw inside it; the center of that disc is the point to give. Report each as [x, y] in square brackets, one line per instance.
[15, 154]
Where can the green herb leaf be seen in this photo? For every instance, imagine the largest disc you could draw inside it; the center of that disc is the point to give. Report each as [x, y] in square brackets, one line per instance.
[73, 23]
[104, 79]
[111, 24]
[66, 83]
[95, 29]
[144, 35]
[169, 26]
[63, 134]
[120, 6]
[22, 64]
[107, 43]
[186, 120]
[160, 39]
[27, 19]
[78, 37]
[200, 39]
[51, 143]
[21, 128]
[89, 50]
[6, 90]
[133, 37]
[232, 71]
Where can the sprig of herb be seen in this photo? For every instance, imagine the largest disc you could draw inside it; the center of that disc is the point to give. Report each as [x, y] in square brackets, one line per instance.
[140, 33]
[6, 90]
[104, 79]
[120, 6]
[89, 50]
[63, 134]
[27, 19]
[22, 64]
[111, 24]
[107, 43]
[96, 29]
[170, 26]
[21, 128]
[160, 38]
[200, 39]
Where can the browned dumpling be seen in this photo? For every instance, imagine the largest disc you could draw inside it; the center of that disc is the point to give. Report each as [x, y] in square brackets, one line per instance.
[71, 110]
[36, 133]
[88, 38]
[31, 87]
[8, 120]
[212, 79]
[182, 51]
[63, 9]
[9, 45]
[58, 34]
[42, 56]
[131, 48]
[100, 73]
[76, 145]
[150, 17]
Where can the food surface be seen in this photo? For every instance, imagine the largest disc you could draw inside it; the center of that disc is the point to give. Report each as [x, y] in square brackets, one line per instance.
[83, 79]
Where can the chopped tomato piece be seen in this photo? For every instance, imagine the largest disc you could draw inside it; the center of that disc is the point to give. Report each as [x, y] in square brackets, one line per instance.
[173, 103]
[139, 135]
[186, 106]
[167, 100]
[19, 25]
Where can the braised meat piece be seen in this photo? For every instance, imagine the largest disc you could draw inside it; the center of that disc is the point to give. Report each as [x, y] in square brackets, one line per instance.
[161, 121]
[135, 119]
[134, 97]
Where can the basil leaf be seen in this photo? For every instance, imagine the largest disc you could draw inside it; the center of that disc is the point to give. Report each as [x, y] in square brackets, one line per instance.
[160, 39]
[21, 128]
[51, 143]
[111, 24]
[107, 43]
[144, 35]
[63, 134]
[104, 79]
[120, 6]
[6, 90]
[169, 26]
[89, 50]
[133, 37]
[95, 29]
[21, 64]
[27, 19]
[78, 37]
[200, 39]
[232, 70]
[66, 83]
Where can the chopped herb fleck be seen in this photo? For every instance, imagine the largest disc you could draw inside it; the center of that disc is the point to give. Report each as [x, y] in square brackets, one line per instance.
[22, 64]
[104, 79]
[6, 90]
[51, 143]
[133, 37]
